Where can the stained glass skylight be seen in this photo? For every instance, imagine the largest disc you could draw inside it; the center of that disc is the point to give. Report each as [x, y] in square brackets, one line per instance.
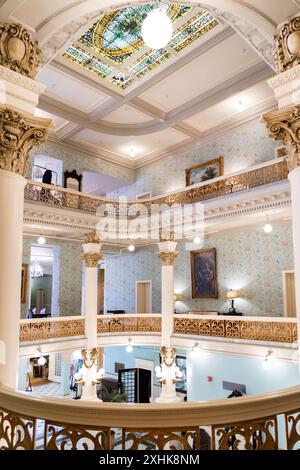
[114, 49]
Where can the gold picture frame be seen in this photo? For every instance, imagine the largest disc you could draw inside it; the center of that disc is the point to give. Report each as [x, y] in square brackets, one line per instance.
[204, 274]
[199, 173]
[24, 280]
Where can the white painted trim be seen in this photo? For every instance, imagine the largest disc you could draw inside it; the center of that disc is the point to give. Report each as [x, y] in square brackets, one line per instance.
[150, 295]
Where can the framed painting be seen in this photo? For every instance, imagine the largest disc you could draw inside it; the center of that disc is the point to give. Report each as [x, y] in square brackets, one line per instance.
[204, 274]
[204, 172]
[24, 279]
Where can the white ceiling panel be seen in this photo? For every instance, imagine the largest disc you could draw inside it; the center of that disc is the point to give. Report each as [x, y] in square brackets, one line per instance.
[131, 147]
[70, 91]
[231, 107]
[128, 115]
[222, 62]
[57, 121]
[35, 12]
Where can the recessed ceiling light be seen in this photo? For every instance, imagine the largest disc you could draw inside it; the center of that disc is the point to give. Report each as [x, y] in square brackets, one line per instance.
[131, 248]
[241, 106]
[41, 240]
[132, 153]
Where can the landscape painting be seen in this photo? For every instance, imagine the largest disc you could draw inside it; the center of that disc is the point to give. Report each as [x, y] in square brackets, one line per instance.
[205, 171]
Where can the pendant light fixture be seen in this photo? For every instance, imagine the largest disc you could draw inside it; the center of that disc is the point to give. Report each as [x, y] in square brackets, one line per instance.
[157, 28]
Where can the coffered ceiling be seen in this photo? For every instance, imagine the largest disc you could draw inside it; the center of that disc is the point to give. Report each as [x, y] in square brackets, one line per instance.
[111, 96]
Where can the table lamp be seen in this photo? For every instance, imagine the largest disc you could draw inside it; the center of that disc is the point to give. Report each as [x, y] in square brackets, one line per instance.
[177, 298]
[231, 296]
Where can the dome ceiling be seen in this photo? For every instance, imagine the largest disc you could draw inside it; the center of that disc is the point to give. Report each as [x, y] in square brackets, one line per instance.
[114, 50]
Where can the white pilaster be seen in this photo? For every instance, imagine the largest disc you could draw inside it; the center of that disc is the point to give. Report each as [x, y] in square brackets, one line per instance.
[294, 178]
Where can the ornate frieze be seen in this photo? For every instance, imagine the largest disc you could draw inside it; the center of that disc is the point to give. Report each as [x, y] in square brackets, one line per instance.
[18, 134]
[288, 45]
[284, 125]
[167, 257]
[17, 50]
[91, 260]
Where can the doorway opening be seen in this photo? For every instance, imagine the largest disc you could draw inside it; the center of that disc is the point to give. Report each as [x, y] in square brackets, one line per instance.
[143, 296]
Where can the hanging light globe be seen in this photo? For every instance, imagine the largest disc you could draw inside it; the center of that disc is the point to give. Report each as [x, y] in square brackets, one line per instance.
[157, 29]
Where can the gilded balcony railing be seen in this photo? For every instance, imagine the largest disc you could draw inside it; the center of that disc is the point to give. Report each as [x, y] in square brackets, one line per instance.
[255, 329]
[267, 421]
[51, 328]
[270, 172]
[129, 323]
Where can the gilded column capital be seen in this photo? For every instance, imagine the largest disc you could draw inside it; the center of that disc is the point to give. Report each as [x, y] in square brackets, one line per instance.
[19, 132]
[284, 126]
[288, 45]
[18, 51]
[91, 260]
[92, 237]
[167, 257]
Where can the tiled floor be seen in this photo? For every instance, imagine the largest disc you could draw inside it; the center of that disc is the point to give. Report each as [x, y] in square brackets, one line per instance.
[50, 389]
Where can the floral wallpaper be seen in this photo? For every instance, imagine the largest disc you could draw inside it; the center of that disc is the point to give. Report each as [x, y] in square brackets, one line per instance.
[66, 277]
[245, 261]
[246, 146]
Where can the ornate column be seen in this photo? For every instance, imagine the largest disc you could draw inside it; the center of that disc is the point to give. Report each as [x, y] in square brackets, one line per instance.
[20, 130]
[91, 257]
[284, 125]
[167, 254]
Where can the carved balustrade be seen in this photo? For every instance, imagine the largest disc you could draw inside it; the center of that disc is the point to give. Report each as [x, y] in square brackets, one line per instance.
[129, 323]
[268, 421]
[40, 329]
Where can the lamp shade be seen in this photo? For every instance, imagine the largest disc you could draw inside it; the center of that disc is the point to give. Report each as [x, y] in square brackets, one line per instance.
[232, 294]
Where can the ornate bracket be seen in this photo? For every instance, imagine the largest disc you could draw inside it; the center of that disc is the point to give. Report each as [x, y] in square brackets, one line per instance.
[91, 237]
[89, 357]
[288, 45]
[18, 134]
[167, 257]
[168, 356]
[284, 125]
[17, 50]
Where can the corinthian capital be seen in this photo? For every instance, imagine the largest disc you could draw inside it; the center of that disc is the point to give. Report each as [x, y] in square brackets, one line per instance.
[288, 45]
[91, 260]
[17, 50]
[167, 257]
[18, 134]
[284, 125]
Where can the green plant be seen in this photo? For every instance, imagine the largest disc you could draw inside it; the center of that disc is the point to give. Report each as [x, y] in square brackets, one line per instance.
[113, 396]
[209, 173]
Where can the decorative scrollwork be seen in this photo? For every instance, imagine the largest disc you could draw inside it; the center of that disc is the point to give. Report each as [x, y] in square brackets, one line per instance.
[256, 435]
[16, 432]
[168, 356]
[161, 439]
[18, 134]
[288, 45]
[292, 425]
[43, 329]
[91, 260]
[167, 257]
[18, 52]
[61, 436]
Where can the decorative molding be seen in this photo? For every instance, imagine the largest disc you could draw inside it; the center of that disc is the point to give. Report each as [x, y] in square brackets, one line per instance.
[19, 132]
[288, 45]
[17, 51]
[92, 237]
[168, 356]
[285, 78]
[167, 257]
[21, 80]
[91, 260]
[284, 125]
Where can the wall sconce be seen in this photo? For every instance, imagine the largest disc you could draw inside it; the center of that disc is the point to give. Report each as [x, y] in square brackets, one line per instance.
[231, 296]
[129, 347]
[41, 360]
[79, 377]
[98, 377]
[177, 298]
[266, 365]
[177, 377]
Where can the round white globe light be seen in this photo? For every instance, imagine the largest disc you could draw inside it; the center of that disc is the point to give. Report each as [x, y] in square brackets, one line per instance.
[41, 240]
[129, 348]
[266, 365]
[131, 248]
[41, 361]
[157, 29]
[268, 228]
[197, 240]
